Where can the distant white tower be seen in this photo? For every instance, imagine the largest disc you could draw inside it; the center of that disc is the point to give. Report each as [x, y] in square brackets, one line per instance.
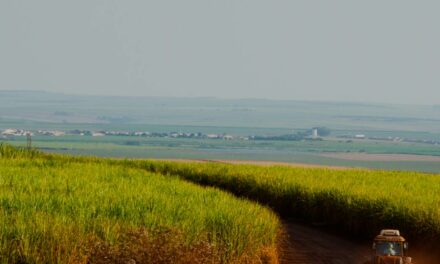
[315, 132]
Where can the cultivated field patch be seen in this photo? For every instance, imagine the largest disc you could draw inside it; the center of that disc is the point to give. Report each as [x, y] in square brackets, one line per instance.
[66, 210]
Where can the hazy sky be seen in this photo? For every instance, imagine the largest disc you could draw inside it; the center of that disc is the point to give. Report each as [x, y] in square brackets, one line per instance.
[382, 51]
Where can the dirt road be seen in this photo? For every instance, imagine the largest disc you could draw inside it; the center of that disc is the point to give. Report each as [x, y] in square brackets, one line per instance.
[312, 245]
[307, 245]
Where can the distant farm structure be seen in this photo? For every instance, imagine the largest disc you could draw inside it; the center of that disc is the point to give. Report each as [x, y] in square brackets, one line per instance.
[315, 132]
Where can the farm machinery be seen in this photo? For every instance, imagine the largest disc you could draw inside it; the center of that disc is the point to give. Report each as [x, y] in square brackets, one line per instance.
[389, 247]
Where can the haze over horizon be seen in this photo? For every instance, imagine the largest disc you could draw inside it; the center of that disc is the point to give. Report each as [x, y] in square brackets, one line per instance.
[384, 52]
[311, 101]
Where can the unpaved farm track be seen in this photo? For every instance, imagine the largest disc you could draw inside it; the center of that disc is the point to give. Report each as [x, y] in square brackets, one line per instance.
[309, 245]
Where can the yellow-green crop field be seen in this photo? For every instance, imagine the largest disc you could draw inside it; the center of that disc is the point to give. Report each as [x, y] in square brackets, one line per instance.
[56, 209]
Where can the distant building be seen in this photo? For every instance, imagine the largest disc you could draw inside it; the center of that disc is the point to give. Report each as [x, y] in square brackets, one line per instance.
[360, 136]
[314, 132]
[57, 133]
[174, 134]
[15, 132]
[228, 137]
[10, 132]
[98, 134]
[212, 136]
[141, 134]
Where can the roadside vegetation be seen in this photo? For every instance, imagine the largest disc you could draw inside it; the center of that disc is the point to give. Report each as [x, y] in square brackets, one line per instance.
[59, 209]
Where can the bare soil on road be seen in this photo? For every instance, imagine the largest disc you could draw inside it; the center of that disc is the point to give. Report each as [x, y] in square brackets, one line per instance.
[312, 245]
[304, 244]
